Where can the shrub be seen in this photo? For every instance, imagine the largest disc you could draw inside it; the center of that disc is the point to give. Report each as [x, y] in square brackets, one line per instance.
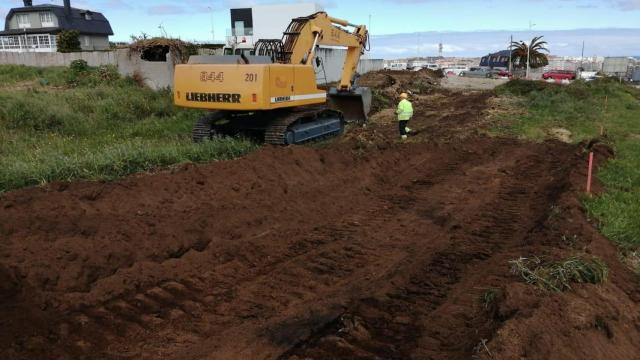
[79, 66]
[69, 41]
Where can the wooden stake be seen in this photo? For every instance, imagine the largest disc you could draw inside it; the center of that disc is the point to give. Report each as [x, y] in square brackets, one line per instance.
[590, 173]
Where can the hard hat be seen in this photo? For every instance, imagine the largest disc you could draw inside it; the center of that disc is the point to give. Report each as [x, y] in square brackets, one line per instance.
[404, 96]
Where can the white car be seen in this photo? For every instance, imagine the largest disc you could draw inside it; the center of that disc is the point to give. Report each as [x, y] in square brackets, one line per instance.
[398, 66]
[454, 70]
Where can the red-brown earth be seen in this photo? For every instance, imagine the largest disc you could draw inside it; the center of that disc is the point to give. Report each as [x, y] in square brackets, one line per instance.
[362, 248]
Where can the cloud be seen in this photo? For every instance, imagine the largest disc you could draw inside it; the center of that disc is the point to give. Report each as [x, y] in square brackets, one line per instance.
[166, 9]
[623, 5]
[601, 42]
[627, 5]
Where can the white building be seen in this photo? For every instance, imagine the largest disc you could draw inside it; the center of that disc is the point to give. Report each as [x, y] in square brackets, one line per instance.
[249, 25]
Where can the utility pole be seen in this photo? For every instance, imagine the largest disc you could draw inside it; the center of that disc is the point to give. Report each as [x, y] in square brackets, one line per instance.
[582, 57]
[213, 34]
[531, 25]
[510, 53]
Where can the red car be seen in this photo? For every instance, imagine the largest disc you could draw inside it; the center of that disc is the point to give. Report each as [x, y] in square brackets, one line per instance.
[559, 75]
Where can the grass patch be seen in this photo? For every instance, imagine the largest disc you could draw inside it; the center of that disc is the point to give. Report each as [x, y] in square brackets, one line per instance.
[489, 298]
[99, 126]
[12, 74]
[583, 108]
[558, 276]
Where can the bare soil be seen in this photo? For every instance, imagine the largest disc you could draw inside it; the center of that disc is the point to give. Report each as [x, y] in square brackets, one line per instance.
[362, 248]
[468, 83]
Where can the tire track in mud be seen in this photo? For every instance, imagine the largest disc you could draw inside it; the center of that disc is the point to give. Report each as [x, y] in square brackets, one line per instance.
[424, 317]
[313, 264]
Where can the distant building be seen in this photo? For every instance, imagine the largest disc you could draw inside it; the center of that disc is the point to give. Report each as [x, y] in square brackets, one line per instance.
[496, 60]
[249, 25]
[34, 28]
[618, 66]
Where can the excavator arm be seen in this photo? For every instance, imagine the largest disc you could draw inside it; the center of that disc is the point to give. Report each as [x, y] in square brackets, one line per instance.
[304, 34]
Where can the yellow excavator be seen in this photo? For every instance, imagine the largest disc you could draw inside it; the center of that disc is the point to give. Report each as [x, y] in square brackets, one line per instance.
[272, 91]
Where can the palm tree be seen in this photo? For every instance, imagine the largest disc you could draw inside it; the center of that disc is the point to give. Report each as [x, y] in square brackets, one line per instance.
[537, 58]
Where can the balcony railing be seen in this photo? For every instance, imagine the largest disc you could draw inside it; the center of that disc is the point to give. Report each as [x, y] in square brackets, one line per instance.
[28, 43]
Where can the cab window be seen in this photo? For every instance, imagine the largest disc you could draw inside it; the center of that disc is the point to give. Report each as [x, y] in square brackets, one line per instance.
[246, 52]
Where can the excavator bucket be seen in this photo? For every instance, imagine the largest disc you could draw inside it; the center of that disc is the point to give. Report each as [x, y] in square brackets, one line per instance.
[354, 105]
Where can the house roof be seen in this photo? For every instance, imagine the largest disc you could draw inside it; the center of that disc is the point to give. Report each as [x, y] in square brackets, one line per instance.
[98, 25]
[500, 53]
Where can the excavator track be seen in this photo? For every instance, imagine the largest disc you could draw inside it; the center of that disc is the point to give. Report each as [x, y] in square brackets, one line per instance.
[303, 125]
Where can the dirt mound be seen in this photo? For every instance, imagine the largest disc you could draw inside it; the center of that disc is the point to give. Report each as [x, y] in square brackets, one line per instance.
[387, 85]
[398, 81]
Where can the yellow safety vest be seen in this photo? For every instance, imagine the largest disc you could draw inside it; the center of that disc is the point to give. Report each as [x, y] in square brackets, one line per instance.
[405, 110]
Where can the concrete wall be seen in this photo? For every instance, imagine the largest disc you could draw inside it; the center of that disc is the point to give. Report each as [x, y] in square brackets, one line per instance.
[58, 59]
[333, 60]
[159, 75]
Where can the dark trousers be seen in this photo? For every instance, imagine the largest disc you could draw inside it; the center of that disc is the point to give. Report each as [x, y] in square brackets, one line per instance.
[403, 125]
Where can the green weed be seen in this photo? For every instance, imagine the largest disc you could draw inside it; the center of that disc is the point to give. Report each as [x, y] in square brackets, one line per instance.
[489, 298]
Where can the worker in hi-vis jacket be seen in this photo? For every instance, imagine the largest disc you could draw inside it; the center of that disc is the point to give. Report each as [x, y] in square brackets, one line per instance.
[405, 113]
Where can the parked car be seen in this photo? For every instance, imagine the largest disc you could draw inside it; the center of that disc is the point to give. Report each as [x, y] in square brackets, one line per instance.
[454, 70]
[504, 74]
[397, 66]
[479, 72]
[559, 75]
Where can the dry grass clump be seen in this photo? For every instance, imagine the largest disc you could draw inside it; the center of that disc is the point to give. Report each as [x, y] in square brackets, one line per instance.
[558, 276]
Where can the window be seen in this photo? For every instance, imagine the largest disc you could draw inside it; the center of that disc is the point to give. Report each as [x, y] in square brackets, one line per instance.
[23, 21]
[87, 16]
[10, 42]
[46, 19]
[44, 41]
[239, 28]
[32, 42]
[87, 41]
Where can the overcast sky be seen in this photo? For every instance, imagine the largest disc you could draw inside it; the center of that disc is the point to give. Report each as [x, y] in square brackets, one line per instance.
[466, 27]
